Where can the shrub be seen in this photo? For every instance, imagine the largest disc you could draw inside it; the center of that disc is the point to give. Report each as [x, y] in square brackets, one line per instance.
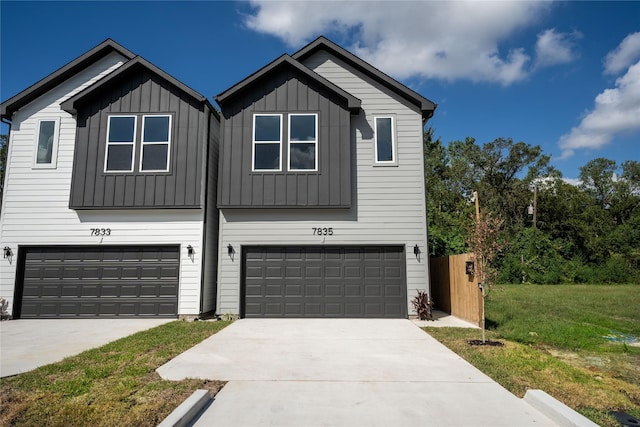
[423, 304]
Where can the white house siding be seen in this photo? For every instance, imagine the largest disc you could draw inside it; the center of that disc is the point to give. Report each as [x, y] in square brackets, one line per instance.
[388, 206]
[35, 202]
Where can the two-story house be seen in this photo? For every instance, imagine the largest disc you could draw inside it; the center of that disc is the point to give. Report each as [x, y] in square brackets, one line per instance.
[126, 196]
[110, 165]
[321, 190]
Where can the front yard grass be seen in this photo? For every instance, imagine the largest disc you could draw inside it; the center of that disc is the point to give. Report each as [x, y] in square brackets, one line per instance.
[111, 385]
[574, 342]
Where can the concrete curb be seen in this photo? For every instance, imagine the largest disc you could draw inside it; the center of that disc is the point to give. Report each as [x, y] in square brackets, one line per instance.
[184, 414]
[556, 410]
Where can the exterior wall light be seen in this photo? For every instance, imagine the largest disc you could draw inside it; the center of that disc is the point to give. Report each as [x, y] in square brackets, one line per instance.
[416, 250]
[190, 250]
[230, 250]
[469, 268]
[8, 253]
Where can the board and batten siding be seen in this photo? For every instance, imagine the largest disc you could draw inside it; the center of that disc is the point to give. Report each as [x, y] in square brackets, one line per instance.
[330, 186]
[389, 201]
[35, 205]
[140, 93]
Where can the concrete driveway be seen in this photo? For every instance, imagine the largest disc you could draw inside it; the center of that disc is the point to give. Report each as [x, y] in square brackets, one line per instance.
[28, 344]
[352, 372]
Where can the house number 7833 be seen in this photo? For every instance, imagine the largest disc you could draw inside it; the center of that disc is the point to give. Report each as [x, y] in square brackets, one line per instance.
[101, 232]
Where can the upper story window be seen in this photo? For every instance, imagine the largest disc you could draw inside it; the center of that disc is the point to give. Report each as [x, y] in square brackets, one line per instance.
[267, 142]
[303, 142]
[154, 137]
[46, 144]
[385, 143]
[155, 143]
[121, 137]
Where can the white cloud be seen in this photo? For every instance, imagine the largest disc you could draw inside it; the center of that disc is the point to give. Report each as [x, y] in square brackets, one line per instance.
[616, 111]
[445, 40]
[624, 55]
[554, 48]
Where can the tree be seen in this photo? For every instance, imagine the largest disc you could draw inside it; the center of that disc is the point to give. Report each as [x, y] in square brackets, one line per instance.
[447, 210]
[485, 242]
[502, 172]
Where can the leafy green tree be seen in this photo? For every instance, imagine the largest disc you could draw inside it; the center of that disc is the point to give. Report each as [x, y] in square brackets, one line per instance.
[502, 172]
[447, 210]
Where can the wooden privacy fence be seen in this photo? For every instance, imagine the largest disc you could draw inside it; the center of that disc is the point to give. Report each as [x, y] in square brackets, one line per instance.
[453, 290]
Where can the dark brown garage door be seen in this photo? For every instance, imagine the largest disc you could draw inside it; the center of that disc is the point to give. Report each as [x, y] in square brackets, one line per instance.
[103, 281]
[363, 281]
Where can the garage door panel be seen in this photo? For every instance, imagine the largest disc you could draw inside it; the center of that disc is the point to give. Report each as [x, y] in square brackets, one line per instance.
[333, 291]
[274, 272]
[294, 290]
[293, 309]
[311, 272]
[109, 281]
[392, 272]
[293, 272]
[353, 290]
[351, 281]
[273, 290]
[372, 272]
[332, 309]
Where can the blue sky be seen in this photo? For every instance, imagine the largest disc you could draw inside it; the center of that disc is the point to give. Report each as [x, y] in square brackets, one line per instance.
[563, 75]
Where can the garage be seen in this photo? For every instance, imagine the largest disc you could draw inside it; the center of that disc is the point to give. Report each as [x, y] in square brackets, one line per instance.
[324, 281]
[98, 281]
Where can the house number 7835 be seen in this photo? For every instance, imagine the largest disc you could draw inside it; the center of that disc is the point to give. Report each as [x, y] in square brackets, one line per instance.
[322, 231]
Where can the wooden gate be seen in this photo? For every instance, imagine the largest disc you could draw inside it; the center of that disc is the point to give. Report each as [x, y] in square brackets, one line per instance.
[455, 291]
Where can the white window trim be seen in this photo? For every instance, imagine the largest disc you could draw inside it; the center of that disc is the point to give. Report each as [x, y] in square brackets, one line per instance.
[254, 142]
[315, 142]
[54, 148]
[133, 143]
[394, 145]
[143, 143]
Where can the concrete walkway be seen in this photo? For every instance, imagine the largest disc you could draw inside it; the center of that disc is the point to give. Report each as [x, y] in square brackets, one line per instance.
[26, 344]
[344, 372]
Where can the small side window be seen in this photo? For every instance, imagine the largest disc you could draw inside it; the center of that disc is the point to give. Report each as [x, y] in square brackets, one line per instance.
[385, 144]
[46, 144]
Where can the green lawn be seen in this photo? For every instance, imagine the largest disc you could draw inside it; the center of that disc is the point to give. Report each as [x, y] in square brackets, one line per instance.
[112, 385]
[572, 341]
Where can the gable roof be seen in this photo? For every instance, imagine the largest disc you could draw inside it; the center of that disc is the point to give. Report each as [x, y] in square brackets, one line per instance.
[130, 67]
[18, 101]
[286, 61]
[426, 106]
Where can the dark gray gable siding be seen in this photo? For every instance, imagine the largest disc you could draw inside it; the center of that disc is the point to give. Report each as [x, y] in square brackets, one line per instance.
[285, 91]
[139, 93]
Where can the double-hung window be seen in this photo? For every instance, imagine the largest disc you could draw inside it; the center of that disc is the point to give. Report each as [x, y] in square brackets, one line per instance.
[123, 137]
[267, 142]
[303, 142]
[46, 143]
[385, 143]
[155, 143]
